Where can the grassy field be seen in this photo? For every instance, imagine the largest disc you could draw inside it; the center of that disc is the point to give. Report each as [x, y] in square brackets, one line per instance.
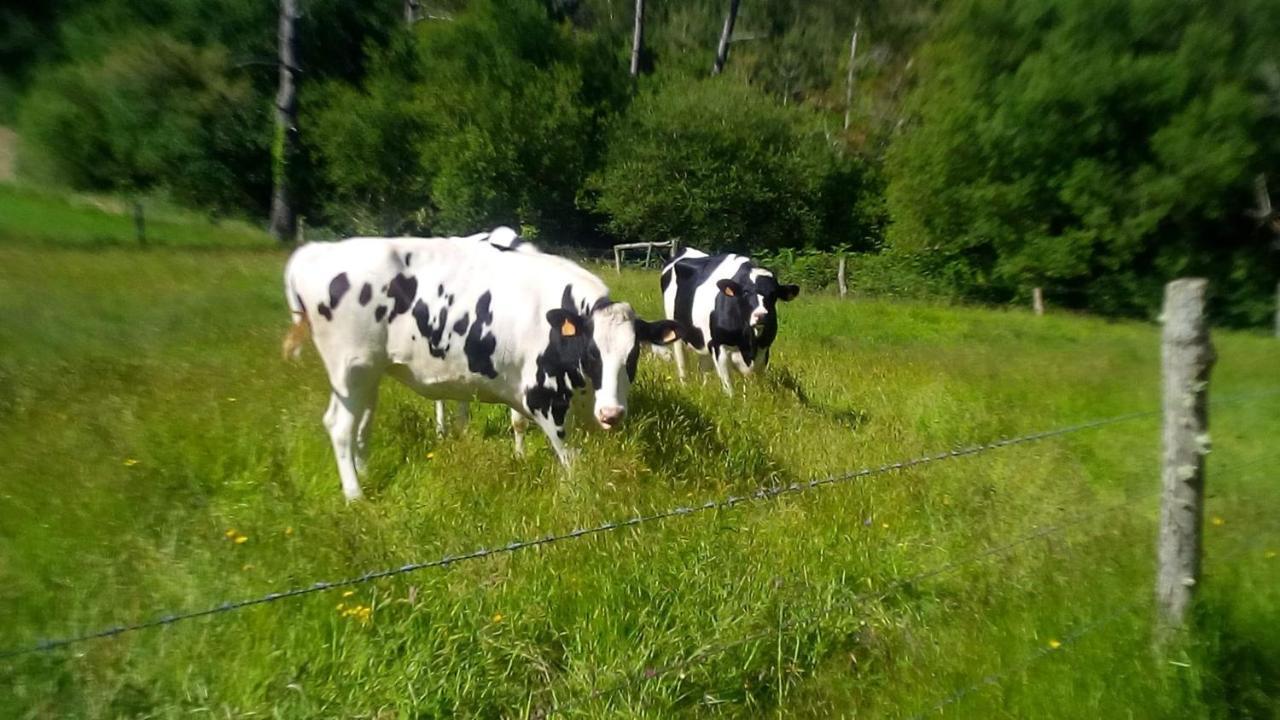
[147, 425]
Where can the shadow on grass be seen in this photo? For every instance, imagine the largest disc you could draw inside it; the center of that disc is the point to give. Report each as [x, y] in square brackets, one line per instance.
[1242, 656]
[782, 380]
[683, 444]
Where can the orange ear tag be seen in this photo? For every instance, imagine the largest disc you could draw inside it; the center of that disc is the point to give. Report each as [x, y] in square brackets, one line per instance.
[728, 291]
[670, 336]
[568, 329]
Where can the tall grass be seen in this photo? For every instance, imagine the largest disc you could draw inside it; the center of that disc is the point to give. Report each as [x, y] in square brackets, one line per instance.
[145, 415]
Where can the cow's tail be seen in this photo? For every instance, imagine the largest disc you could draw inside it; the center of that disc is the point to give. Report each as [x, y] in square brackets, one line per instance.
[300, 330]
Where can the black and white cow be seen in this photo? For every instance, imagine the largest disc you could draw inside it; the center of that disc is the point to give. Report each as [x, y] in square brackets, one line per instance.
[456, 319]
[728, 306]
[505, 239]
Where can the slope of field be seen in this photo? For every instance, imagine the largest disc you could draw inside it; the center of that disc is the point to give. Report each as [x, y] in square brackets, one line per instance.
[158, 456]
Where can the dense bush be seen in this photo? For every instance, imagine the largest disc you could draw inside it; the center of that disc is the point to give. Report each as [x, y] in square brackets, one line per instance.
[153, 113]
[491, 118]
[720, 165]
[1098, 149]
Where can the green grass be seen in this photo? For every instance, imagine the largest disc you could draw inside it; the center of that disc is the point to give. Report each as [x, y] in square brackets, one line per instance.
[31, 216]
[144, 412]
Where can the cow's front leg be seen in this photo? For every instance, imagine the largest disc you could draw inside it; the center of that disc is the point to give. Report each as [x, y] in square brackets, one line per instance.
[519, 424]
[442, 421]
[720, 355]
[677, 348]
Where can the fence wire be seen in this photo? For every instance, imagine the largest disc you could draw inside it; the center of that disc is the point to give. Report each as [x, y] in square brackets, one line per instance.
[1068, 641]
[850, 604]
[1072, 520]
[762, 493]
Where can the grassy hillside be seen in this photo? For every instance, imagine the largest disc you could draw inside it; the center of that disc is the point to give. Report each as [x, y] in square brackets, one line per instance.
[147, 423]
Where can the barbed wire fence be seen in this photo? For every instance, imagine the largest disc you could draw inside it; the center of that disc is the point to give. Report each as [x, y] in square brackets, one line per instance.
[1197, 393]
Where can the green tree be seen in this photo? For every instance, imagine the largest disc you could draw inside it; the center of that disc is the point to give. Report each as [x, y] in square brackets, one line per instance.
[1099, 148]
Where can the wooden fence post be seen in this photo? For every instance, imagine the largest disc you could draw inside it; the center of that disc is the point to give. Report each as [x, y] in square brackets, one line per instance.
[1278, 310]
[617, 260]
[1037, 300]
[1187, 357]
[139, 223]
[844, 290]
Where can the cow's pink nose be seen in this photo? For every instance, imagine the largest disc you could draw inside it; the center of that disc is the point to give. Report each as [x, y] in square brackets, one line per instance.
[610, 416]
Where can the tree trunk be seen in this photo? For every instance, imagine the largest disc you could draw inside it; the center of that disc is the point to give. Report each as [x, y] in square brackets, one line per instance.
[1187, 357]
[283, 213]
[848, 88]
[410, 12]
[637, 39]
[1037, 300]
[722, 51]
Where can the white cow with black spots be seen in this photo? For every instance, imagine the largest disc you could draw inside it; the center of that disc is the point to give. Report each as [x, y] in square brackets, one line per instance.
[729, 307]
[457, 319]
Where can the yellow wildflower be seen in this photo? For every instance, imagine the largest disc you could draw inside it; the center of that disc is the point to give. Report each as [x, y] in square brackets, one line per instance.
[348, 593]
[241, 539]
[1217, 520]
[230, 533]
[341, 606]
[431, 456]
[247, 567]
[884, 525]
[1055, 644]
[497, 617]
[288, 531]
[130, 462]
[231, 399]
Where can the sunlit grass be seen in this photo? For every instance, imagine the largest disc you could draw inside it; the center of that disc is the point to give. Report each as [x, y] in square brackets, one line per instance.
[156, 455]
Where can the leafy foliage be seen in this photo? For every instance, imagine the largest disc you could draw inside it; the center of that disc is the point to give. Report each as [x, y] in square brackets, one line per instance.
[720, 165]
[155, 112]
[491, 118]
[1097, 148]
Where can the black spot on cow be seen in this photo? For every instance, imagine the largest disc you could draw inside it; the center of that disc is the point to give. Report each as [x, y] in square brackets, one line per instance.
[379, 313]
[432, 329]
[460, 327]
[325, 311]
[408, 259]
[480, 344]
[402, 289]
[338, 287]
[440, 291]
[366, 294]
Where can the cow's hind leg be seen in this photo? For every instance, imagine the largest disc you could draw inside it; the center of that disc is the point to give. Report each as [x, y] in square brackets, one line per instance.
[519, 424]
[347, 418]
[677, 348]
[442, 424]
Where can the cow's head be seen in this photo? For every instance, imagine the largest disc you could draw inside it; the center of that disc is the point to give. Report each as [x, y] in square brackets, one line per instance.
[603, 348]
[750, 307]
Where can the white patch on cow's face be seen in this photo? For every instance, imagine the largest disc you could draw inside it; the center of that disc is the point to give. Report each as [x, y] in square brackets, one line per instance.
[758, 311]
[615, 336]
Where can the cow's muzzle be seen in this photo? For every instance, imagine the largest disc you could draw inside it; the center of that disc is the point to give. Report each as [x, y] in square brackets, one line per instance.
[610, 417]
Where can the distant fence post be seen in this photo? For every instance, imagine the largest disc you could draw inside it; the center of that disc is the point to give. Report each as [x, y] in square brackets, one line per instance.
[1186, 358]
[617, 259]
[1278, 310]
[844, 289]
[139, 223]
[300, 232]
[1037, 300]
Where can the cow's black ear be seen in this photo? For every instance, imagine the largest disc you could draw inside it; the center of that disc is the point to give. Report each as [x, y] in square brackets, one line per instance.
[729, 287]
[663, 332]
[788, 292]
[567, 323]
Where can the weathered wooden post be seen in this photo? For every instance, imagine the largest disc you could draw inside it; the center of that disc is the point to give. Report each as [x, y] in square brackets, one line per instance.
[844, 290]
[1278, 310]
[648, 254]
[139, 223]
[722, 50]
[617, 259]
[1037, 300]
[1186, 358]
